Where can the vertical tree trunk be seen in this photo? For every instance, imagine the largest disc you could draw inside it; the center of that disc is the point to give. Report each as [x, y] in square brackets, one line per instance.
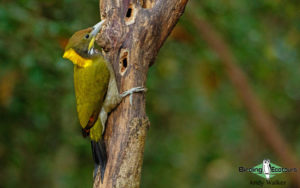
[131, 38]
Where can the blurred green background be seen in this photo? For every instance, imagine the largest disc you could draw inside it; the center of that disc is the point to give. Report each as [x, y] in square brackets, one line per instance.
[200, 132]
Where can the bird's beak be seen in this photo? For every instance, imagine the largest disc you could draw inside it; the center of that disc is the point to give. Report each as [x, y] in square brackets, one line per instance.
[96, 28]
[94, 32]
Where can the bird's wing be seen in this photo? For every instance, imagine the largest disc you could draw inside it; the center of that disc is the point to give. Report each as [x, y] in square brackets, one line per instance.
[91, 85]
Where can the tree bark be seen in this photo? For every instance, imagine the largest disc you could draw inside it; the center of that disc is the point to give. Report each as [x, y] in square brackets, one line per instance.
[131, 38]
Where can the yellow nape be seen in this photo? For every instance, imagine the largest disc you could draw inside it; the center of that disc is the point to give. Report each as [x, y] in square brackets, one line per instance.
[76, 58]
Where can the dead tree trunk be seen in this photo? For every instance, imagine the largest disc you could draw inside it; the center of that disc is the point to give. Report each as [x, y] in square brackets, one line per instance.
[131, 38]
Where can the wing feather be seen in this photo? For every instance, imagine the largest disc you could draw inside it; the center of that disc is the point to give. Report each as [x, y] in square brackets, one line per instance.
[90, 85]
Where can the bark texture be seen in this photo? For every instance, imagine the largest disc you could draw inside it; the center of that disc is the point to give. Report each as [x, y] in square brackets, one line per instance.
[131, 38]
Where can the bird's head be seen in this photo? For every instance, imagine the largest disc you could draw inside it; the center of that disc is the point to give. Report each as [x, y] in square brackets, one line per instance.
[80, 48]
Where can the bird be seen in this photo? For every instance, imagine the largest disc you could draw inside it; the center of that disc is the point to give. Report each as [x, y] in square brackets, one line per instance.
[96, 90]
[267, 168]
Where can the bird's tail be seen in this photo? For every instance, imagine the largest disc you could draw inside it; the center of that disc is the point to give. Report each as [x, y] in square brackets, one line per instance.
[99, 156]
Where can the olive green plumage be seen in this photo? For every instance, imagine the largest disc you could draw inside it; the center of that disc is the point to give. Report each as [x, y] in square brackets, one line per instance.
[92, 76]
[91, 84]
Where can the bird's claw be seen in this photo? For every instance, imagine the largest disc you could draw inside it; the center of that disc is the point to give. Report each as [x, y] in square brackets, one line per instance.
[131, 91]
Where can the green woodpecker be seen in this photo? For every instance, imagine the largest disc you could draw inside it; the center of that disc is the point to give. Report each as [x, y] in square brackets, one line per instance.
[95, 89]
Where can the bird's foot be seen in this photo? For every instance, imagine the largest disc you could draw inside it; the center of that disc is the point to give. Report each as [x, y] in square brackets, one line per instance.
[131, 91]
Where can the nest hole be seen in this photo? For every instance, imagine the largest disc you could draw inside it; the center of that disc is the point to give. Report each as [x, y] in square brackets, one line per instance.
[129, 11]
[130, 14]
[123, 64]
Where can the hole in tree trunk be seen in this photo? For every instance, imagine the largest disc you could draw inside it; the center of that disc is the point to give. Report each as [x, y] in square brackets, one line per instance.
[129, 11]
[123, 64]
[130, 14]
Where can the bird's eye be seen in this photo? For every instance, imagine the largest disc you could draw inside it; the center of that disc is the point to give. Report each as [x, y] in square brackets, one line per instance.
[87, 36]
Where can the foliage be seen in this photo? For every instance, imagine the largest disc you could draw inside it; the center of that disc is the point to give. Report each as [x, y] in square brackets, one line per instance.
[200, 132]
